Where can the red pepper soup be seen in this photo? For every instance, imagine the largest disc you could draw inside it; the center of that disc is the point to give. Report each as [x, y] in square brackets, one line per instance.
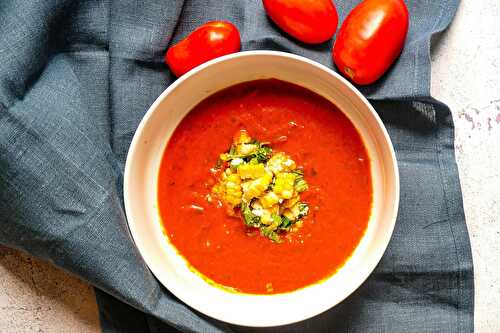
[265, 187]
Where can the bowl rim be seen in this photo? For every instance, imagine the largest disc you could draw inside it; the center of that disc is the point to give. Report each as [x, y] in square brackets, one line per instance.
[134, 146]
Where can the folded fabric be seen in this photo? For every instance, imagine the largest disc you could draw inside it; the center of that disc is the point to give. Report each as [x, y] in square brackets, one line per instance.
[77, 76]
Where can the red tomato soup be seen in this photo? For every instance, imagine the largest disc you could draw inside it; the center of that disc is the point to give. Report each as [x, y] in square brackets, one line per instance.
[317, 136]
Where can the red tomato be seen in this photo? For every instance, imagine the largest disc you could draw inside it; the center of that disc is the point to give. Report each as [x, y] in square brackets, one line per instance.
[209, 41]
[310, 21]
[370, 39]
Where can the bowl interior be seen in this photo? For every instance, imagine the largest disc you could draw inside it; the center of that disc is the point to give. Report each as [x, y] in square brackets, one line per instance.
[140, 186]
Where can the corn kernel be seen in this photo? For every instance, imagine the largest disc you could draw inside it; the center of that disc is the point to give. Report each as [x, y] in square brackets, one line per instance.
[234, 178]
[284, 184]
[229, 188]
[281, 162]
[254, 188]
[246, 149]
[268, 215]
[299, 209]
[292, 201]
[242, 137]
[288, 214]
[269, 199]
[251, 171]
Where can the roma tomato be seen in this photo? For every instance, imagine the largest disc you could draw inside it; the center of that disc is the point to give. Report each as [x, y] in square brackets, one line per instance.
[370, 39]
[310, 21]
[207, 42]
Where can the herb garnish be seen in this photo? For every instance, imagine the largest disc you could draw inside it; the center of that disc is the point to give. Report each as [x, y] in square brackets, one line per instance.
[263, 185]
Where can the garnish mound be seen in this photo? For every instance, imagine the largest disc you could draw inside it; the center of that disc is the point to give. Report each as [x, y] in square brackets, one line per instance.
[262, 185]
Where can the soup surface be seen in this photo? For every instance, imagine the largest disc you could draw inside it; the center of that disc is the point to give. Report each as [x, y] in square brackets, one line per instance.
[324, 144]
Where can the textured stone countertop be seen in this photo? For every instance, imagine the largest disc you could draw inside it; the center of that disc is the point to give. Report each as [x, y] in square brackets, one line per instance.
[35, 296]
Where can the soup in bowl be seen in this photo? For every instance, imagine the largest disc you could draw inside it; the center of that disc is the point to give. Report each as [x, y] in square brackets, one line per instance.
[261, 188]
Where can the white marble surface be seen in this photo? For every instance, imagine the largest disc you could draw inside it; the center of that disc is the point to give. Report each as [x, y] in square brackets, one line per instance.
[35, 296]
[466, 76]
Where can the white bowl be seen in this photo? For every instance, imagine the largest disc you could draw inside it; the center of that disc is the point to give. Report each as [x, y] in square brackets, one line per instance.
[140, 189]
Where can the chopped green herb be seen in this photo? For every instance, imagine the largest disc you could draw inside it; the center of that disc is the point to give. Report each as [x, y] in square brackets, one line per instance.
[303, 210]
[286, 223]
[270, 230]
[276, 222]
[232, 150]
[263, 153]
[250, 218]
[272, 235]
[300, 183]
